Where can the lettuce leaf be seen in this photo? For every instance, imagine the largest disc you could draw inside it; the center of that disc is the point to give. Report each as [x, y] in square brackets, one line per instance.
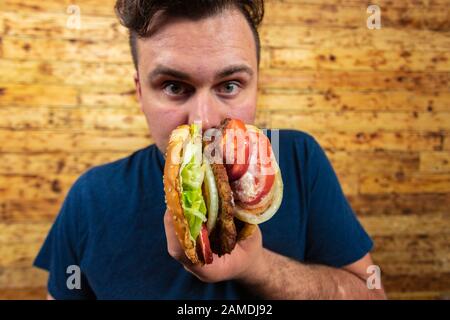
[192, 174]
[194, 210]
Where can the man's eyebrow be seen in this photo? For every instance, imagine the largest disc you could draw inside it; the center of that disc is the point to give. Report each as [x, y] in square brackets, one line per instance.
[166, 71]
[228, 71]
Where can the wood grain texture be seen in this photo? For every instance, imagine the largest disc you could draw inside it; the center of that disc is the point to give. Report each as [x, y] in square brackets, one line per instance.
[362, 121]
[395, 204]
[77, 140]
[301, 36]
[22, 278]
[19, 233]
[27, 293]
[354, 59]
[90, 7]
[37, 95]
[348, 100]
[302, 80]
[44, 118]
[378, 102]
[435, 162]
[54, 25]
[350, 14]
[30, 48]
[70, 73]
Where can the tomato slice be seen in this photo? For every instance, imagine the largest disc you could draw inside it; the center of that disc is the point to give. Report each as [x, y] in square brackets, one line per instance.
[260, 176]
[204, 245]
[236, 151]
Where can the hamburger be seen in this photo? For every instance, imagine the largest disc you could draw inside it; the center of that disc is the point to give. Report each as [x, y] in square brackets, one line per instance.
[219, 185]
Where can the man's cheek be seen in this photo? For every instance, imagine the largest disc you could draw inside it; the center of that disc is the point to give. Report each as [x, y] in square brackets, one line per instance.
[161, 123]
[245, 113]
[160, 118]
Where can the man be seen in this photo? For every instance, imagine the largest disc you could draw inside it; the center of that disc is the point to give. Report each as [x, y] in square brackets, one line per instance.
[198, 61]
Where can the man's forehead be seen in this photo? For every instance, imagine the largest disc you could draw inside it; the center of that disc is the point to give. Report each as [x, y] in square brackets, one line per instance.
[224, 33]
[162, 26]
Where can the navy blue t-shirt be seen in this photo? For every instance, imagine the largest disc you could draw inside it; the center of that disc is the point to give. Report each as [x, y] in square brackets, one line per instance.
[111, 226]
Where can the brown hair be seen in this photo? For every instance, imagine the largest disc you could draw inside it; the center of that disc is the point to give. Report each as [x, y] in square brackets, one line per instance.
[138, 15]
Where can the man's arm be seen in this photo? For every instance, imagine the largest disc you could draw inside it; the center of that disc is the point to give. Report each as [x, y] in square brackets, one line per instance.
[274, 276]
[279, 277]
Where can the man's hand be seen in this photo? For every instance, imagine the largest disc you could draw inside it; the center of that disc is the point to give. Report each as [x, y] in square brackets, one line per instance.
[236, 265]
[273, 276]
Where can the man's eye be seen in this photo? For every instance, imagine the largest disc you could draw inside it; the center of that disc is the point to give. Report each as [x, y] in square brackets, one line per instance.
[229, 88]
[175, 88]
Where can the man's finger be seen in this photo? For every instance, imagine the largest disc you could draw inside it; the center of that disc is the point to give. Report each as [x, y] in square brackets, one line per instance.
[173, 245]
[252, 238]
[246, 231]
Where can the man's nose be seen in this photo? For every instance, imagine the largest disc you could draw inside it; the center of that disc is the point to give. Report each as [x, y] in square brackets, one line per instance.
[205, 109]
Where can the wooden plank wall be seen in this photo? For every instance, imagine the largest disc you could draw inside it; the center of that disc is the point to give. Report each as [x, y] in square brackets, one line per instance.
[377, 100]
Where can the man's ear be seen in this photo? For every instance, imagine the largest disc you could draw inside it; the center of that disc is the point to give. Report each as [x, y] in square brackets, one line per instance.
[137, 85]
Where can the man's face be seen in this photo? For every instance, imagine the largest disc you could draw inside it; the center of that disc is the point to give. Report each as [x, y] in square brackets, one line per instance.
[203, 70]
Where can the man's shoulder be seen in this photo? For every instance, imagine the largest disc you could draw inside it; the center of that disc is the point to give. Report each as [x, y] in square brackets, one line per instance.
[294, 135]
[290, 140]
[109, 174]
[124, 163]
